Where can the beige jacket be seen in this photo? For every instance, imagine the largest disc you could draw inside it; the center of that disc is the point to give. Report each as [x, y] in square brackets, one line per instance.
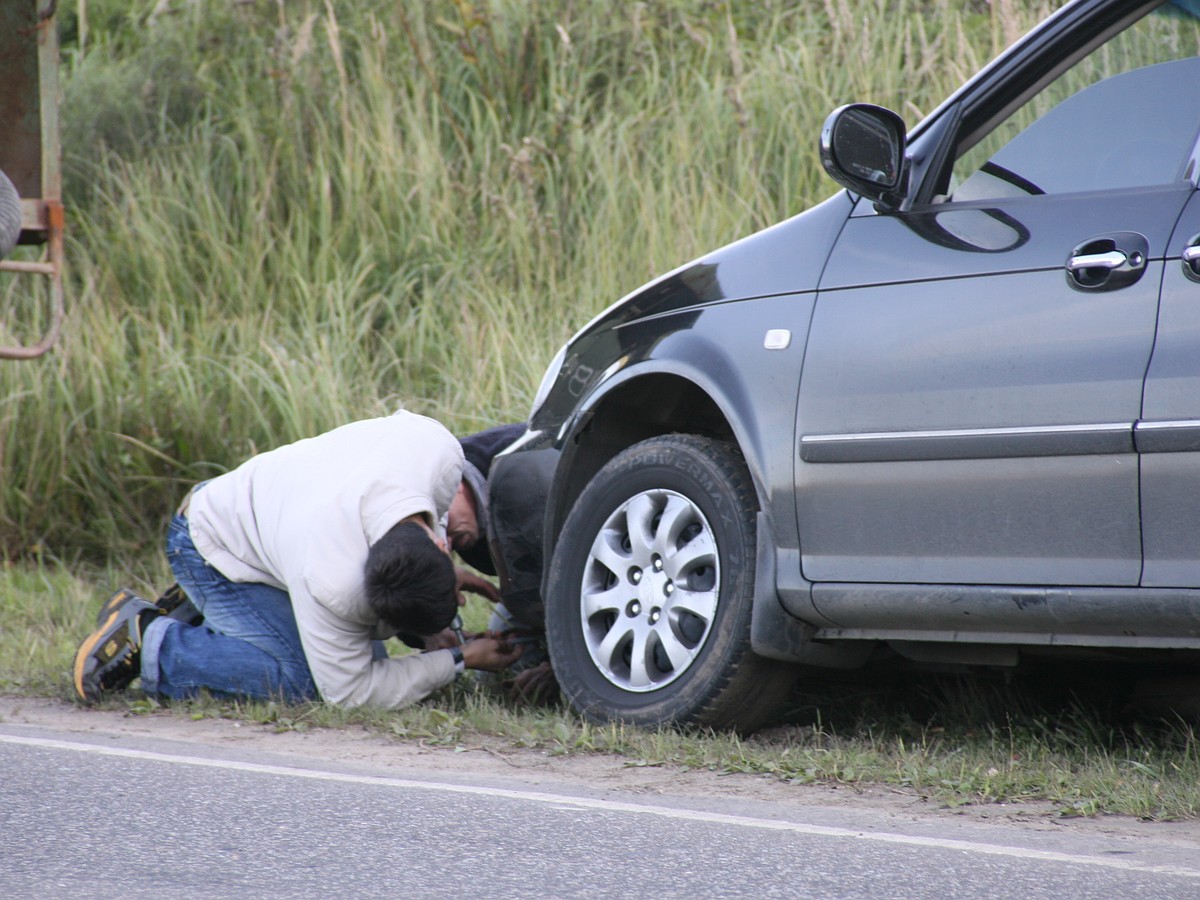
[302, 518]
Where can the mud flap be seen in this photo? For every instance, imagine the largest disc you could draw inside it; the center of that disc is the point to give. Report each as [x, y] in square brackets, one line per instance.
[777, 635]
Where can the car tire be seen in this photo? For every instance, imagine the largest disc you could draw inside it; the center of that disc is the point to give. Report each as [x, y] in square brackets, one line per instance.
[660, 551]
[10, 216]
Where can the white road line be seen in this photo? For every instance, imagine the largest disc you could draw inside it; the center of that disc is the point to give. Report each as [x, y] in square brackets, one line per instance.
[564, 801]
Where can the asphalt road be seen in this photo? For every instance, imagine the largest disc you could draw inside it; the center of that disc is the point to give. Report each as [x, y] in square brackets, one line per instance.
[104, 815]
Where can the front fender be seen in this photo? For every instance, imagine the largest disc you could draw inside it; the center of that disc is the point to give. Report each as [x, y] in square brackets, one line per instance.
[720, 370]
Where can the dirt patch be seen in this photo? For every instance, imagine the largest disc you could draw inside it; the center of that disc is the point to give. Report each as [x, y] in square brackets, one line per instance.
[538, 770]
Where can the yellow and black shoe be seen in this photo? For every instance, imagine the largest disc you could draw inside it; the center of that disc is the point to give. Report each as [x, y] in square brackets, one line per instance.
[173, 602]
[109, 658]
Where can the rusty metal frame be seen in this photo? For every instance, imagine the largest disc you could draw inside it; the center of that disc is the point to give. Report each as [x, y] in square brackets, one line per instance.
[39, 159]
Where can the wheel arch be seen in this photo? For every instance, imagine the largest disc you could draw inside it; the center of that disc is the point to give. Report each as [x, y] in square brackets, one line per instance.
[619, 415]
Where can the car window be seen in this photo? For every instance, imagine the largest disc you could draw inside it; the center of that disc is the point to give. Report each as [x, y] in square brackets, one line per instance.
[1120, 118]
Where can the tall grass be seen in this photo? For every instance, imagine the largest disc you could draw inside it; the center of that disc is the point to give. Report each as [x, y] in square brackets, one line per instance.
[286, 216]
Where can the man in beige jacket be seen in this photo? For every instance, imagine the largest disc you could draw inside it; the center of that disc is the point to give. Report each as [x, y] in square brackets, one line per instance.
[301, 561]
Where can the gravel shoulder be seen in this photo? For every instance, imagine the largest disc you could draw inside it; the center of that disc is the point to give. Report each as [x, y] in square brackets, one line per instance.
[537, 770]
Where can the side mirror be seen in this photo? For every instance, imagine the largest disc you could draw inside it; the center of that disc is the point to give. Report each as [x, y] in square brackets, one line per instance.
[862, 148]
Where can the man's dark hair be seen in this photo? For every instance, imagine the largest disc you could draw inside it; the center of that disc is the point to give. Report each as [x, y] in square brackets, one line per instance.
[410, 581]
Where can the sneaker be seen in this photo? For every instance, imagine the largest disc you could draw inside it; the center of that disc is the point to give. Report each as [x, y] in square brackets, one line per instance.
[173, 602]
[110, 657]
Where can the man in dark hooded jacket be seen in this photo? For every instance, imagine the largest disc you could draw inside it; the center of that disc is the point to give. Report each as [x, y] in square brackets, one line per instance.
[510, 511]
[509, 514]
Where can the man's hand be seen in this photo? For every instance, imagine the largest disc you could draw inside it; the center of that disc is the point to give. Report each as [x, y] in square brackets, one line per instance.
[490, 654]
[443, 640]
[470, 583]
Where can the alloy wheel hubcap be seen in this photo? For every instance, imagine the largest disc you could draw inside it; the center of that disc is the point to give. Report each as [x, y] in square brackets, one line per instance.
[650, 590]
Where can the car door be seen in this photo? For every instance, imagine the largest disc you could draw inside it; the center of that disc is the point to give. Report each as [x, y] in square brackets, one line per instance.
[975, 365]
[1168, 436]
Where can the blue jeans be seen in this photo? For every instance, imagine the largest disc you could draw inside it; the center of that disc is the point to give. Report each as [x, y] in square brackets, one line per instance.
[248, 645]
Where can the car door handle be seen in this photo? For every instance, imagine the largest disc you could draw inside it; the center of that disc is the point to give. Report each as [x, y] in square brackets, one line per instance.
[1108, 262]
[1190, 258]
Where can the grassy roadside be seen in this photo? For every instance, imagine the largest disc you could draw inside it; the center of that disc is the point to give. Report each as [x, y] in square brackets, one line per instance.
[287, 216]
[952, 740]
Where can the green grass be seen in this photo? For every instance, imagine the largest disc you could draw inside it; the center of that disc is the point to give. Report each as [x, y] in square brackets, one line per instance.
[286, 216]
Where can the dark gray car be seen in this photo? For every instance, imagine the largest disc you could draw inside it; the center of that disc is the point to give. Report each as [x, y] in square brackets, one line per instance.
[954, 409]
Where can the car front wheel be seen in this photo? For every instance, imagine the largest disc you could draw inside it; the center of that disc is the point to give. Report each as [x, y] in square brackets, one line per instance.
[651, 589]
